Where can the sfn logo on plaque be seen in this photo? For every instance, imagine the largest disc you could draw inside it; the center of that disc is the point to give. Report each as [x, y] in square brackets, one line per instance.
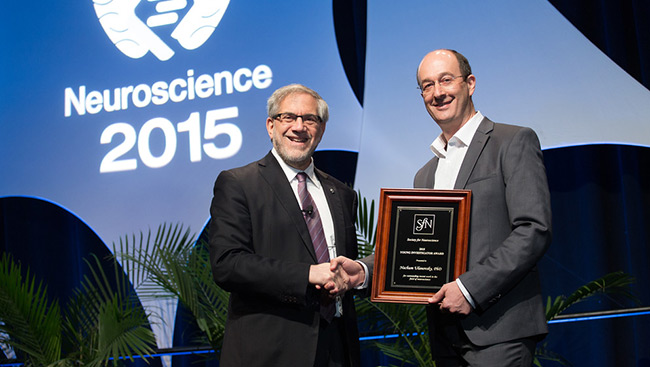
[424, 224]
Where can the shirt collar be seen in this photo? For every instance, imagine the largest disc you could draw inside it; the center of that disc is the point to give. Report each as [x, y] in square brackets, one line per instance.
[464, 135]
[291, 172]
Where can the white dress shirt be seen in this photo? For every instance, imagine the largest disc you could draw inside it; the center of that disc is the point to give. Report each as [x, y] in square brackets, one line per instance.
[317, 193]
[450, 157]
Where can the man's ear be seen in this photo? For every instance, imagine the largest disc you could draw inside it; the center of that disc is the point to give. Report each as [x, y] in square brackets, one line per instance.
[269, 126]
[471, 83]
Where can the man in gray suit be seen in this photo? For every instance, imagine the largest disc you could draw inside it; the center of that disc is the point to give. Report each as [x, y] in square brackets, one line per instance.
[492, 315]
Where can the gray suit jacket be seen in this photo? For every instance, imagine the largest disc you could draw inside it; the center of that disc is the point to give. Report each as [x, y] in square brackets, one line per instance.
[261, 251]
[510, 229]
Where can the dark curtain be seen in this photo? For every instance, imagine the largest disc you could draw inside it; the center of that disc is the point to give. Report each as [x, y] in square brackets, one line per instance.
[619, 28]
[600, 198]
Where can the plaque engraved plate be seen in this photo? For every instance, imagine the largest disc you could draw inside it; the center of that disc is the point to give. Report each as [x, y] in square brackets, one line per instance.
[421, 243]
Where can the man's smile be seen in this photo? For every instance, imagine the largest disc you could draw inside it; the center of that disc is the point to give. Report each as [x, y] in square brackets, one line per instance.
[442, 104]
[298, 140]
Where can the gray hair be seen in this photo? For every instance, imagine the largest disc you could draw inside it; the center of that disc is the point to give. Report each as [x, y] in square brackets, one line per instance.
[273, 103]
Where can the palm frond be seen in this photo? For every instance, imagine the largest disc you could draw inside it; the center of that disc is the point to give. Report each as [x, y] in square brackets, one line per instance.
[543, 354]
[407, 321]
[172, 264]
[104, 320]
[366, 227]
[213, 301]
[142, 257]
[30, 321]
[397, 352]
[612, 283]
[123, 331]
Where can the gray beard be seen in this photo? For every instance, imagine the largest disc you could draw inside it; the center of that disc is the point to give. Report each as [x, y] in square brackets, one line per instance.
[293, 161]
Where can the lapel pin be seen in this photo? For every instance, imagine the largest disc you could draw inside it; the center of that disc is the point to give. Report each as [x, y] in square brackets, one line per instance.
[332, 191]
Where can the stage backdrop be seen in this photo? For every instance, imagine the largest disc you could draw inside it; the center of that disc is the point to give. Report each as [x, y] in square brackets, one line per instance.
[532, 68]
[123, 115]
[124, 112]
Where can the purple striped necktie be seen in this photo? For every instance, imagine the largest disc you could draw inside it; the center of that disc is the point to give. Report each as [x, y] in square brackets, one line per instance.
[315, 226]
[312, 217]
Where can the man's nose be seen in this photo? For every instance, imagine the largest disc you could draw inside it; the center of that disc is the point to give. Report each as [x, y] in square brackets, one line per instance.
[299, 124]
[438, 91]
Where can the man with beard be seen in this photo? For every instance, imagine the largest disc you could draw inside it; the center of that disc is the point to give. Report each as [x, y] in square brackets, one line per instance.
[275, 225]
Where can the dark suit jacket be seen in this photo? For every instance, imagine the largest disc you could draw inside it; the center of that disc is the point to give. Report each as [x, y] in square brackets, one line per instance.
[261, 251]
[510, 229]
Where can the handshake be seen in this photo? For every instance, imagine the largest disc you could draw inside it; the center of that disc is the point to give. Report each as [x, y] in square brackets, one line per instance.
[338, 276]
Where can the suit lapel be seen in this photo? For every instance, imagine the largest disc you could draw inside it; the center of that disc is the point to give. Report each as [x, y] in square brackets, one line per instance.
[272, 173]
[479, 140]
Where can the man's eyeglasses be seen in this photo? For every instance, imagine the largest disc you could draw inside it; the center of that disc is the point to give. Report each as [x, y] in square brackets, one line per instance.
[290, 118]
[445, 81]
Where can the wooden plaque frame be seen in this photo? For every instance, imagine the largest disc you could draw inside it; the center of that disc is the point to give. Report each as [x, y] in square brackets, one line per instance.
[422, 238]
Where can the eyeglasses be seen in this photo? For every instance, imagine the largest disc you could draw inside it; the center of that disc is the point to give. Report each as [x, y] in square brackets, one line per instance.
[290, 118]
[444, 82]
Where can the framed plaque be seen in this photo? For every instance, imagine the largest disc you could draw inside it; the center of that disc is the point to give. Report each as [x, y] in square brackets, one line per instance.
[421, 243]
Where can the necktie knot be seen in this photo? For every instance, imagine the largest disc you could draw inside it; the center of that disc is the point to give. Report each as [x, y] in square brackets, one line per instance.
[302, 177]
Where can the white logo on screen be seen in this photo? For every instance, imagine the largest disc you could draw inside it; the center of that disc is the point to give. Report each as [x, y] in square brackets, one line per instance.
[135, 37]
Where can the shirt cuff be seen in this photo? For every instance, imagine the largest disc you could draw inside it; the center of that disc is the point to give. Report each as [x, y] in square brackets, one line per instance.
[363, 285]
[468, 297]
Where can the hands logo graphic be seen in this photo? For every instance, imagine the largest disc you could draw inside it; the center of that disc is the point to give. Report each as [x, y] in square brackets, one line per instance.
[135, 37]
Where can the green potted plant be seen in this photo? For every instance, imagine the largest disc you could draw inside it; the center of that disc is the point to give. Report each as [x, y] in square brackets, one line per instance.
[172, 265]
[101, 325]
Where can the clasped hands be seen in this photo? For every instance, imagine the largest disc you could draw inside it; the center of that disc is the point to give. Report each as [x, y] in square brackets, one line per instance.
[342, 274]
[337, 277]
